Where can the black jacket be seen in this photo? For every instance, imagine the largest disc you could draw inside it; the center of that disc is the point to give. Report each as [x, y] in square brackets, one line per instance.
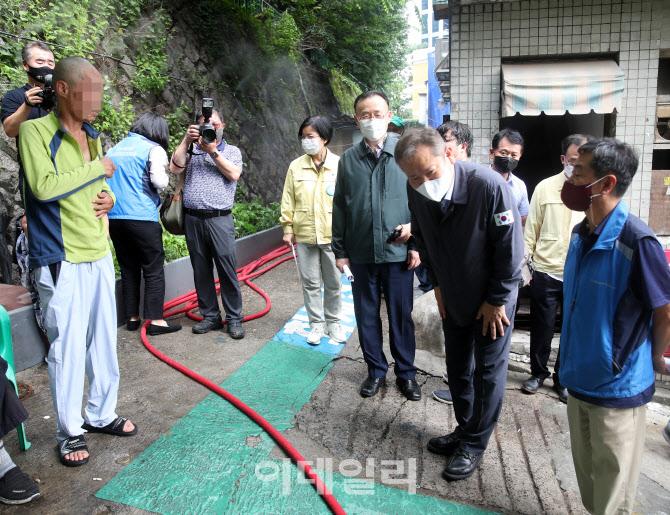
[472, 254]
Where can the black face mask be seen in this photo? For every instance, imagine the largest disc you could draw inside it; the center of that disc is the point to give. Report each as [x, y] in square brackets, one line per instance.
[505, 164]
[35, 73]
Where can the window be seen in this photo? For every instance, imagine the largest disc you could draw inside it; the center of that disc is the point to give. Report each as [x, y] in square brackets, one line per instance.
[436, 25]
[424, 43]
[424, 5]
[434, 41]
[445, 25]
[424, 24]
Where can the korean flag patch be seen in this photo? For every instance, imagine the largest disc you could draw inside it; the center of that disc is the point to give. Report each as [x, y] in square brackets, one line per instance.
[504, 218]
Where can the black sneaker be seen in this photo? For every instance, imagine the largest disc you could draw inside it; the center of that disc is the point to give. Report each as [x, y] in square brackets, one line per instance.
[206, 325]
[17, 488]
[443, 396]
[235, 330]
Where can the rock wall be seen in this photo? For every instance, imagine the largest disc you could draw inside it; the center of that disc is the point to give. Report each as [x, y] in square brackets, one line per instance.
[262, 100]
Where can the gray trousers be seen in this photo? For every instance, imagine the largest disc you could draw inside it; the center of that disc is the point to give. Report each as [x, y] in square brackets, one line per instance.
[212, 240]
[316, 264]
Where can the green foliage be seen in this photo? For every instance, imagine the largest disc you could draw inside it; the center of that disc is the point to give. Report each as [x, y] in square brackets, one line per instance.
[114, 121]
[178, 121]
[152, 72]
[362, 38]
[175, 246]
[255, 217]
[278, 36]
[345, 90]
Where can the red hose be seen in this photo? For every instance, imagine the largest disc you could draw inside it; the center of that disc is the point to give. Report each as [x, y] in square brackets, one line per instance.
[244, 274]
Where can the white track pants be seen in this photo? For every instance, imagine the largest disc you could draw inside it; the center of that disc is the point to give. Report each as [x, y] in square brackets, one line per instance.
[79, 311]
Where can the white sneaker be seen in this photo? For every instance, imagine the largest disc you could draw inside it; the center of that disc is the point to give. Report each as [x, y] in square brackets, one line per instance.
[336, 333]
[315, 335]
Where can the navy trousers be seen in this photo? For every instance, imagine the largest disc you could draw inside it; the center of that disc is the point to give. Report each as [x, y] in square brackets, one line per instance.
[477, 368]
[397, 283]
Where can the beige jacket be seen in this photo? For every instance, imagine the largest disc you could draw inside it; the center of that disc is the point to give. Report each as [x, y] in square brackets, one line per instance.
[307, 201]
[549, 224]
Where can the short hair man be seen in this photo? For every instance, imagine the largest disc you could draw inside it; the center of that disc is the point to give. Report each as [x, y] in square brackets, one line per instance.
[466, 226]
[209, 192]
[65, 175]
[25, 103]
[370, 203]
[547, 236]
[616, 326]
[458, 138]
[505, 152]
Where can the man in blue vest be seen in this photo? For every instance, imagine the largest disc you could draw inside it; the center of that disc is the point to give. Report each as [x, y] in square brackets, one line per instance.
[616, 325]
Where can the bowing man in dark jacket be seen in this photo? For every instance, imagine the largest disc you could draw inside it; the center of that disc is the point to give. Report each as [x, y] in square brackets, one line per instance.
[468, 233]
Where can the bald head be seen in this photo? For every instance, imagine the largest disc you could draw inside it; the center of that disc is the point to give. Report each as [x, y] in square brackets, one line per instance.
[79, 88]
[72, 70]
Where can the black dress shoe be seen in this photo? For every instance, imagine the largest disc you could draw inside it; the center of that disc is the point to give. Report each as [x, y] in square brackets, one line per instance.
[155, 330]
[371, 385]
[235, 330]
[532, 384]
[462, 465]
[206, 325]
[409, 388]
[445, 445]
[133, 325]
[561, 391]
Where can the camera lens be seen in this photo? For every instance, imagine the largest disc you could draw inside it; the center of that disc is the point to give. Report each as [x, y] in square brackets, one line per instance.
[208, 133]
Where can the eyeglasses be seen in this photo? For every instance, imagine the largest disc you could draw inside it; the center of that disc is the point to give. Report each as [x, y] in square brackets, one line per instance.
[371, 116]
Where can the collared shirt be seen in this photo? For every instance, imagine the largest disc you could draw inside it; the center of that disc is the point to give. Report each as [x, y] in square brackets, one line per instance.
[205, 187]
[548, 227]
[377, 151]
[307, 201]
[519, 191]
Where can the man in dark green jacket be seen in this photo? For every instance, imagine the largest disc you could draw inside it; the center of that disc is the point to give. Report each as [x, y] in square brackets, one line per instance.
[370, 202]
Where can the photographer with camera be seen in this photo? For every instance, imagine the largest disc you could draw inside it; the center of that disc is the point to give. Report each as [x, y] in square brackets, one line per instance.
[33, 100]
[212, 169]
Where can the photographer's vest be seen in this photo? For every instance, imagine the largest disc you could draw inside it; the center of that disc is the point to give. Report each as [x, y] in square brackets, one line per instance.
[136, 196]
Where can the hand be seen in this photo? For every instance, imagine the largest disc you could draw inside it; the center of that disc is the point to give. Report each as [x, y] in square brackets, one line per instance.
[289, 240]
[339, 263]
[661, 365]
[103, 204]
[210, 148]
[494, 318]
[109, 167]
[32, 96]
[413, 260]
[192, 134]
[404, 235]
[440, 302]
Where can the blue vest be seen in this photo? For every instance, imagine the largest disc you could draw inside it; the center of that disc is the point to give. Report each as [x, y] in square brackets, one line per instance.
[606, 336]
[136, 196]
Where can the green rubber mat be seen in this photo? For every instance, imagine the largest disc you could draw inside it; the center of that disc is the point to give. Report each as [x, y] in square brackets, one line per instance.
[216, 460]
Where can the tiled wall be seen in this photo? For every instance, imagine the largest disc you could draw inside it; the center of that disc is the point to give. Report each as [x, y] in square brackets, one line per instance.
[483, 34]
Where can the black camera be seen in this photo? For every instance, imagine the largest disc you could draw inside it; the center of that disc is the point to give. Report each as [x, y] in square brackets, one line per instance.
[47, 94]
[206, 129]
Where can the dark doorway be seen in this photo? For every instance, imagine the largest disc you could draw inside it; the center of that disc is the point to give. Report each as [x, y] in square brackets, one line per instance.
[543, 135]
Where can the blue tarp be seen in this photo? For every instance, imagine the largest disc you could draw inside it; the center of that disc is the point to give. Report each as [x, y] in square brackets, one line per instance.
[435, 114]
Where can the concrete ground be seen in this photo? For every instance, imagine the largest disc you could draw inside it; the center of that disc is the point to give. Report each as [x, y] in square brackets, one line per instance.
[527, 468]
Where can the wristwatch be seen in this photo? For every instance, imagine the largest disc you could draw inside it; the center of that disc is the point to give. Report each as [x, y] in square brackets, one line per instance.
[214, 155]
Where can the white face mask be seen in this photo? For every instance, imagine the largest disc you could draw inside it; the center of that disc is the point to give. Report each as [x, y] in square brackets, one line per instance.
[311, 146]
[373, 129]
[435, 189]
[568, 170]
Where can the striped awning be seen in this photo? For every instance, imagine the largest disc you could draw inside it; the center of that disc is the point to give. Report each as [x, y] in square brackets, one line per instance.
[556, 87]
